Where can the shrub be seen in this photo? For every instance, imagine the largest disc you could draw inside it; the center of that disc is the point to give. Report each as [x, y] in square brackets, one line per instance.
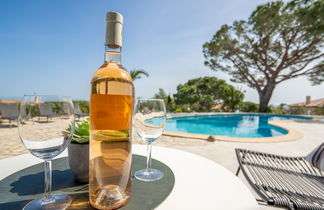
[249, 107]
[297, 110]
[281, 109]
[319, 110]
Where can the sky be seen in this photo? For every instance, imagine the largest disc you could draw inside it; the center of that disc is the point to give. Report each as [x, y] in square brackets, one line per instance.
[54, 47]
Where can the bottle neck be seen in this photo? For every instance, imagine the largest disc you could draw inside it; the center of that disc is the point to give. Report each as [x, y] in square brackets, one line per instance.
[112, 55]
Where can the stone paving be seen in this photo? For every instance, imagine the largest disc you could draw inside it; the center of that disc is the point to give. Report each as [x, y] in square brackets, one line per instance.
[219, 151]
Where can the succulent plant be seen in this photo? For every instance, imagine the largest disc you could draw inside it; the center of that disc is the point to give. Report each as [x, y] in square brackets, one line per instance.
[81, 132]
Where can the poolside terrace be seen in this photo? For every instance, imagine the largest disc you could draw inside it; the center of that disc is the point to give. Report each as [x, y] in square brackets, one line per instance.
[221, 152]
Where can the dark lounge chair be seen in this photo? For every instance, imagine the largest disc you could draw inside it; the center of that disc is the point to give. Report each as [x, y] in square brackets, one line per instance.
[290, 182]
[9, 112]
[77, 111]
[45, 110]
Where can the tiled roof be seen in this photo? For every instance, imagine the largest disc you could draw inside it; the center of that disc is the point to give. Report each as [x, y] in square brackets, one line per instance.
[313, 103]
[218, 107]
[5, 101]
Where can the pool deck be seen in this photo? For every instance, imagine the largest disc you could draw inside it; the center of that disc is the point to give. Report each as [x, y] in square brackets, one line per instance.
[221, 152]
[292, 135]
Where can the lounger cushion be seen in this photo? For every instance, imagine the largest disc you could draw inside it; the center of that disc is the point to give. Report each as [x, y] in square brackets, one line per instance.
[316, 157]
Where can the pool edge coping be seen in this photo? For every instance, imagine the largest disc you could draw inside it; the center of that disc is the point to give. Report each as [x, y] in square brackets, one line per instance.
[292, 135]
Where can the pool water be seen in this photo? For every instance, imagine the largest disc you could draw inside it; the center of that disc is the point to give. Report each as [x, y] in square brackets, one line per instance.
[232, 125]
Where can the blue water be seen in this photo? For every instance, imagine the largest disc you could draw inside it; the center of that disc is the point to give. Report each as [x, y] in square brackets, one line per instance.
[233, 125]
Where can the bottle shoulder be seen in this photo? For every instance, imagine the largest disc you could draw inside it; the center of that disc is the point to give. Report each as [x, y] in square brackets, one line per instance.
[111, 70]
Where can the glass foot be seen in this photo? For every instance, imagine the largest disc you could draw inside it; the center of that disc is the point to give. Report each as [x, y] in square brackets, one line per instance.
[59, 202]
[150, 175]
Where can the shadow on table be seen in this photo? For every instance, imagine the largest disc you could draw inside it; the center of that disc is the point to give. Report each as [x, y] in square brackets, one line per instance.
[21, 187]
[34, 183]
[79, 201]
[13, 205]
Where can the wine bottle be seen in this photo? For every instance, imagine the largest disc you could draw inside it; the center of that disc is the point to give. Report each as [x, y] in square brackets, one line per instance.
[111, 106]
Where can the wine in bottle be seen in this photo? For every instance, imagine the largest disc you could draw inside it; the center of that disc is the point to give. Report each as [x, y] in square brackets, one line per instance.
[111, 105]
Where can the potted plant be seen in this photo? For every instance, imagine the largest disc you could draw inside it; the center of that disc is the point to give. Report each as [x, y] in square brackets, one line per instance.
[78, 151]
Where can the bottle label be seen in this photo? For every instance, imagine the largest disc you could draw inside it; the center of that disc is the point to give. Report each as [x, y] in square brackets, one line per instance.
[110, 112]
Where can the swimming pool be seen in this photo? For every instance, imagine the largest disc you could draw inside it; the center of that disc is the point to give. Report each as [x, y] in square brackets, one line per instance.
[231, 125]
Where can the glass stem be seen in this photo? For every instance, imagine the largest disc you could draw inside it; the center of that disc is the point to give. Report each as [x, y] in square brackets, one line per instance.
[48, 180]
[148, 159]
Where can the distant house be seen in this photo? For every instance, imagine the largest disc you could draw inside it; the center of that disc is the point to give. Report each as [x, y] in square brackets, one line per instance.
[307, 107]
[5, 101]
[219, 108]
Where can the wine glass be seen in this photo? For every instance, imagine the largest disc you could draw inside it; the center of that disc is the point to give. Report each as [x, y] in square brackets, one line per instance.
[149, 121]
[42, 124]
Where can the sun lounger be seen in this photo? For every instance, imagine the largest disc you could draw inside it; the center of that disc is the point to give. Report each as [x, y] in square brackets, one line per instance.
[77, 111]
[290, 182]
[9, 112]
[45, 110]
[67, 111]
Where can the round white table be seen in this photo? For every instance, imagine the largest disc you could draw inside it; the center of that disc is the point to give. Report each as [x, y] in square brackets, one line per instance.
[199, 183]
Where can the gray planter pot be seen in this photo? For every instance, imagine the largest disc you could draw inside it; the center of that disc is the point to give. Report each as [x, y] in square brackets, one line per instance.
[79, 161]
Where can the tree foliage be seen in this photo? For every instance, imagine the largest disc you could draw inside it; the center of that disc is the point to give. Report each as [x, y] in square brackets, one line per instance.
[317, 77]
[248, 106]
[138, 73]
[279, 41]
[161, 94]
[202, 93]
[232, 98]
[168, 100]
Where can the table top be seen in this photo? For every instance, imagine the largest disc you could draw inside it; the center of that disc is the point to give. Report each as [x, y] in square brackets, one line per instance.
[199, 183]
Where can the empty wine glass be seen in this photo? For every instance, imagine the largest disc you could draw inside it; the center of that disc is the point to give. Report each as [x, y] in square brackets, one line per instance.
[149, 121]
[42, 124]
